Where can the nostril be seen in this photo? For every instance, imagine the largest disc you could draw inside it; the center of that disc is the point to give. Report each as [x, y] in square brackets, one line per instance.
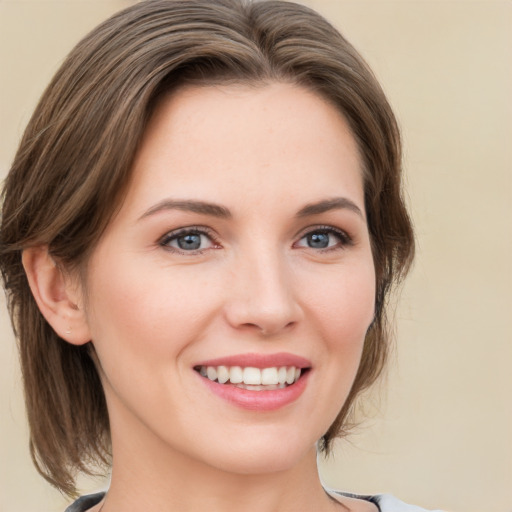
[270, 328]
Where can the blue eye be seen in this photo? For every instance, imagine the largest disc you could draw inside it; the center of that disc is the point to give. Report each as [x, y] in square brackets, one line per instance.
[187, 240]
[324, 238]
[318, 240]
[190, 242]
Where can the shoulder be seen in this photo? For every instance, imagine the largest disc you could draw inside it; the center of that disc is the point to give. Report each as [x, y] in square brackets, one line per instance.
[85, 502]
[388, 503]
[385, 502]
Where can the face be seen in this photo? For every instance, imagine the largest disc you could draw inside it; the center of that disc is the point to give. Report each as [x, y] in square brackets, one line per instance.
[239, 259]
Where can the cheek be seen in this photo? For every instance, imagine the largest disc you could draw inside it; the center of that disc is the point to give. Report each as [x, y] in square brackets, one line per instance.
[346, 306]
[145, 310]
[342, 314]
[141, 327]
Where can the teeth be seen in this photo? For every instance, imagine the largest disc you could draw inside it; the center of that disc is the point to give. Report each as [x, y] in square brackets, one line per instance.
[252, 376]
[236, 374]
[222, 374]
[211, 373]
[255, 379]
[269, 376]
[261, 388]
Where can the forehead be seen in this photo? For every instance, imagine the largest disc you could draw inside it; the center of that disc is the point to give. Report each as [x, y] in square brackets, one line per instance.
[273, 138]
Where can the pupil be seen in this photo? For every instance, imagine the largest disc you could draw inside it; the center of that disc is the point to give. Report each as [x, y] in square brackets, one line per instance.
[318, 240]
[189, 242]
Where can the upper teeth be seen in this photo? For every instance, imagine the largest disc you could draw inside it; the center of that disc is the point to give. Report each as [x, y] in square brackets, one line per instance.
[252, 376]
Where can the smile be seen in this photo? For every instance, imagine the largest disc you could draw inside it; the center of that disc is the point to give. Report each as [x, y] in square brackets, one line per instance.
[251, 378]
[256, 382]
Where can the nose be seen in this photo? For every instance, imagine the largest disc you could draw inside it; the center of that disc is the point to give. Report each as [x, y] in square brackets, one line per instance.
[261, 295]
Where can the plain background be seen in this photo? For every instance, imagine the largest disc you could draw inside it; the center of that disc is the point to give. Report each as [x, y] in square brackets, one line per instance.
[439, 431]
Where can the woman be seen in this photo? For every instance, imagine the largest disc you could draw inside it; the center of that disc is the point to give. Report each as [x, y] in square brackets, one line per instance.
[199, 233]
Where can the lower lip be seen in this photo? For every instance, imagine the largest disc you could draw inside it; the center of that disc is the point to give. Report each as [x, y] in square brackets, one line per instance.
[258, 400]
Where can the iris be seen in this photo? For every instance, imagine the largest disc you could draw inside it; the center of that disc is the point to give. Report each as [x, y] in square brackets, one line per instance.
[190, 241]
[318, 240]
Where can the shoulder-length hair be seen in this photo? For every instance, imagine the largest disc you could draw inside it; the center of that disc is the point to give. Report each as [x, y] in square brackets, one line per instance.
[74, 163]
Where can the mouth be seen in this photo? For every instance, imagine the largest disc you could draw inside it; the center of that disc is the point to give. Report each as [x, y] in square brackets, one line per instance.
[256, 382]
[252, 378]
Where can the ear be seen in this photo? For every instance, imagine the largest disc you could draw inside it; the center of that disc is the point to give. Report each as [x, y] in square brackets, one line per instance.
[58, 296]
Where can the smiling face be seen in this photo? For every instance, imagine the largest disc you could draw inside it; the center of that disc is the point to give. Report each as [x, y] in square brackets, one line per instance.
[241, 253]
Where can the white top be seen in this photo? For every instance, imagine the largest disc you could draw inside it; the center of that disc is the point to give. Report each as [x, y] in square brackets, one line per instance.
[385, 502]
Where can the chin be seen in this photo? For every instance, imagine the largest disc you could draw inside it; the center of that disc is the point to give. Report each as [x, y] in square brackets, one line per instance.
[261, 453]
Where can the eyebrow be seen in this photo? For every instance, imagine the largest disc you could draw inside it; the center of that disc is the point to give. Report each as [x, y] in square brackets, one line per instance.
[336, 203]
[200, 207]
[215, 210]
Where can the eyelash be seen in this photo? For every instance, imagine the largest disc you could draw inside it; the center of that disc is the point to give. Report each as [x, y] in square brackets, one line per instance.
[191, 230]
[344, 237]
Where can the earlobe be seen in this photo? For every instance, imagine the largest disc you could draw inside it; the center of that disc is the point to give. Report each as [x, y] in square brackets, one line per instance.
[57, 296]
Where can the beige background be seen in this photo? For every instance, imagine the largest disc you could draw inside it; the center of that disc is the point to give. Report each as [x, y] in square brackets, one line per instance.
[440, 428]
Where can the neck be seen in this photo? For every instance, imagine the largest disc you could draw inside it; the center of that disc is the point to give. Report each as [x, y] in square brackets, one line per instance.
[152, 476]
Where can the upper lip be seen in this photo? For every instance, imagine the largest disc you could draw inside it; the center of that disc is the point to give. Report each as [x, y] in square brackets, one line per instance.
[255, 360]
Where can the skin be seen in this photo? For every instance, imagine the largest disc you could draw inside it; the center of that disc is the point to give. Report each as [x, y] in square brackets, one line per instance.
[153, 310]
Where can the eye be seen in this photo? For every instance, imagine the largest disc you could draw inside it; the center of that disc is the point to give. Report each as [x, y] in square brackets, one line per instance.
[188, 240]
[324, 238]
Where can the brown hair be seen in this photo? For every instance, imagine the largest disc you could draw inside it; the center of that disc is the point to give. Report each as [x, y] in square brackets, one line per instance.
[74, 162]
